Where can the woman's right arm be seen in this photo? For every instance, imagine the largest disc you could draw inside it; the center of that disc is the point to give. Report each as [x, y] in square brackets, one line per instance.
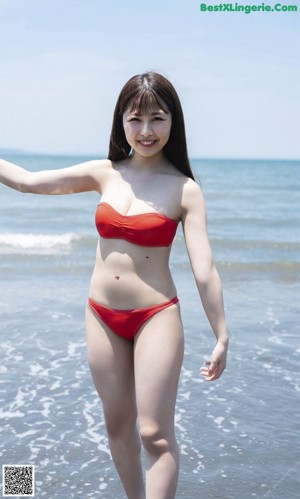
[83, 177]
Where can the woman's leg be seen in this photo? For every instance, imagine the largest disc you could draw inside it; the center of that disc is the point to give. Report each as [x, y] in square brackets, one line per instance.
[158, 355]
[111, 363]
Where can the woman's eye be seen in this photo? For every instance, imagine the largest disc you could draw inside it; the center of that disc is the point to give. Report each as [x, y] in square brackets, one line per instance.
[156, 118]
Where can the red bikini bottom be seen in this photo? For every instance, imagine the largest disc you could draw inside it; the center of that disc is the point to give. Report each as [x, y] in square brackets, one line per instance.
[126, 323]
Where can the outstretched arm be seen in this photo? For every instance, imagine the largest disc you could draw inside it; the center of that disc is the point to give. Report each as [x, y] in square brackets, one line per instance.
[83, 177]
[206, 275]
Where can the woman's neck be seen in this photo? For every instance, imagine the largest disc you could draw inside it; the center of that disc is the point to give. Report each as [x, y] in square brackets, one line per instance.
[151, 163]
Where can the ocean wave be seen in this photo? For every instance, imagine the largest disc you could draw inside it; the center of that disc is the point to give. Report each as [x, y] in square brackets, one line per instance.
[40, 243]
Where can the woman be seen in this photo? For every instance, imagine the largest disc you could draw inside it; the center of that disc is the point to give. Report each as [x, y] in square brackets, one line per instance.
[133, 325]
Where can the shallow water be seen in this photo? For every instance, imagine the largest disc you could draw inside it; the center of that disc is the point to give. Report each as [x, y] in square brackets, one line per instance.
[238, 436]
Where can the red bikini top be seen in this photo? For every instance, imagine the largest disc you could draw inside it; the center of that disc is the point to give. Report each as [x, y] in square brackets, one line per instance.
[146, 229]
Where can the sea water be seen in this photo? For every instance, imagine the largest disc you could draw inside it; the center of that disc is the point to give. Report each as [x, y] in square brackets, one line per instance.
[238, 435]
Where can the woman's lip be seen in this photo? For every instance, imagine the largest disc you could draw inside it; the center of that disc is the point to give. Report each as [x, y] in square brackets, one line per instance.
[147, 143]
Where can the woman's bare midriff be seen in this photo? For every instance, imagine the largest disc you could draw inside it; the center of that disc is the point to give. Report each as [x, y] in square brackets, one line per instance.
[127, 276]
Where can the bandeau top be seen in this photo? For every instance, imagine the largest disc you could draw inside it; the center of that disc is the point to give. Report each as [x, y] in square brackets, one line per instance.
[146, 229]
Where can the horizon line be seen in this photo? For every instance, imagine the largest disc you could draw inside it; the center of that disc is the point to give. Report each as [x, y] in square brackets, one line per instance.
[20, 152]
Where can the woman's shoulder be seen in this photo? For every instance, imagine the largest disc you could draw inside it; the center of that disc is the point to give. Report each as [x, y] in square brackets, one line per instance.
[191, 186]
[99, 167]
[187, 186]
[101, 163]
[97, 170]
[191, 193]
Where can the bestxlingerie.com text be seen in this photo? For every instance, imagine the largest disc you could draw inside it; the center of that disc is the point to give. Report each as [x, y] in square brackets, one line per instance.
[247, 9]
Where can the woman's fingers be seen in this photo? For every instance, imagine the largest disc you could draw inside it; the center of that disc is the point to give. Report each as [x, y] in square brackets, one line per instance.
[211, 370]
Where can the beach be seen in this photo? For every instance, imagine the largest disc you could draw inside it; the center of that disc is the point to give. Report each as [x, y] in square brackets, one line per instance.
[238, 435]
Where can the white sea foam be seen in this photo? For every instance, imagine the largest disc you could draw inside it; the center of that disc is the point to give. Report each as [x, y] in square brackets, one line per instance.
[11, 414]
[20, 242]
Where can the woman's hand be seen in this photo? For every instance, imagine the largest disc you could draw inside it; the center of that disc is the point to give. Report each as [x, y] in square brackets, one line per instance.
[213, 369]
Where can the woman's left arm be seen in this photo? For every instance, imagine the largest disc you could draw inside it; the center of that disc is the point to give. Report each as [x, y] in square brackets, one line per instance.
[206, 275]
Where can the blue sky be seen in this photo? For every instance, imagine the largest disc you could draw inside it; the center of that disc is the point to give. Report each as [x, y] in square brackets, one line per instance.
[63, 63]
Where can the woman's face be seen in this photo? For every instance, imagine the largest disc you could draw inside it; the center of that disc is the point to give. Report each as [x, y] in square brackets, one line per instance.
[147, 134]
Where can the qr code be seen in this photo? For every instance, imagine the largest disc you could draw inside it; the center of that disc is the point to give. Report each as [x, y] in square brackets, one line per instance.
[18, 480]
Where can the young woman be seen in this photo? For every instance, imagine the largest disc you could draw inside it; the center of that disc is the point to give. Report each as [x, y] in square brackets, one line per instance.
[133, 325]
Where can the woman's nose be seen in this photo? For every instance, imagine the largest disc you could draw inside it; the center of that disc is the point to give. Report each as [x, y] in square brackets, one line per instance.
[146, 129]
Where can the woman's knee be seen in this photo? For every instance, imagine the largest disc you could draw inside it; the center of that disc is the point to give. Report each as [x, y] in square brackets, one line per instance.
[155, 440]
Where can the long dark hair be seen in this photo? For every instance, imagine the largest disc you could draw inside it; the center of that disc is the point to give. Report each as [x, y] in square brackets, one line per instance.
[143, 93]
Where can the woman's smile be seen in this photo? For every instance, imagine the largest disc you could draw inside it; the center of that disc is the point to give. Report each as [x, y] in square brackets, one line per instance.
[147, 143]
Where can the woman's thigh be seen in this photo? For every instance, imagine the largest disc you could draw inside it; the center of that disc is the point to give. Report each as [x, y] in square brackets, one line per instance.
[158, 355]
[111, 363]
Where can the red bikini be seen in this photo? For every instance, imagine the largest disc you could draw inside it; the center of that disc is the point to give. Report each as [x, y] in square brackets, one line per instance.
[127, 323]
[147, 229]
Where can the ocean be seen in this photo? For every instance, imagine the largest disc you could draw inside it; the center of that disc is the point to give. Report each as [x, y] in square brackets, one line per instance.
[238, 436]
